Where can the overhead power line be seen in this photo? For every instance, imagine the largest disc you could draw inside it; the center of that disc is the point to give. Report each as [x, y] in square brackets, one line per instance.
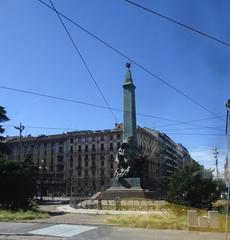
[206, 35]
[99, 106]
[191, 122]
[46, 128]
[134, 62]
[84, 62]
[198, 134]
[182, 129]
[73, 129]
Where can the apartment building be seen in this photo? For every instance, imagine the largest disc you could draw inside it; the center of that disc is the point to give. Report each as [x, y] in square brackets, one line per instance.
[83, 162]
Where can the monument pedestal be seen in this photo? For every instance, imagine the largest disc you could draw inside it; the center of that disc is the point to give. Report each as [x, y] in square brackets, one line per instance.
[127, 188]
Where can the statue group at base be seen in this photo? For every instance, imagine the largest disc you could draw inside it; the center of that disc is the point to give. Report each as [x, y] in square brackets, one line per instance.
[129, 160]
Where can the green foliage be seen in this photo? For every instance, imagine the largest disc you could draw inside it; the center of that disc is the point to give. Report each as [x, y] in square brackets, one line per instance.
[3, 118]
[155, 220]
[170, 216]
[193, 186]
[17, 185]
[6, 215]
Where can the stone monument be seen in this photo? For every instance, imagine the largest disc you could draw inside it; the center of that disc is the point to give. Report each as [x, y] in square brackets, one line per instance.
[128, 176]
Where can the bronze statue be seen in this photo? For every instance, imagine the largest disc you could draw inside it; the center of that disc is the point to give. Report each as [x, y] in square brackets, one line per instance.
[125, 159]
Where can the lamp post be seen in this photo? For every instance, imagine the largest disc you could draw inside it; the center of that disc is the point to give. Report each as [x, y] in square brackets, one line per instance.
[217, 170]
[42, 168]
[20, 129]
[227, 104]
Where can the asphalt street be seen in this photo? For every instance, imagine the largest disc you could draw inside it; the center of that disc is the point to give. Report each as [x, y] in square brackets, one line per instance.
[48, 231]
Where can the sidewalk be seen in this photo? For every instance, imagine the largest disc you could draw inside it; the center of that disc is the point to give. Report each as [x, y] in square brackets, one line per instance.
[68, 209]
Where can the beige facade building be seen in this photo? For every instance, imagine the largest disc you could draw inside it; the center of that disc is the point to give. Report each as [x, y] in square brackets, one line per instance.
[83, 162]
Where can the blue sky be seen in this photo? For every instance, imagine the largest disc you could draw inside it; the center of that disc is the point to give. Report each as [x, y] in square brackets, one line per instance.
[36, 55]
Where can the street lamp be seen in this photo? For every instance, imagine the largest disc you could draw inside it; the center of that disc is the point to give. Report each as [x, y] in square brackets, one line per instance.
[227, 104]
[42, 168]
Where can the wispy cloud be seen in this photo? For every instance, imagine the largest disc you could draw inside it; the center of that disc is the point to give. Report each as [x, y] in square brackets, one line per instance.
[205, 156]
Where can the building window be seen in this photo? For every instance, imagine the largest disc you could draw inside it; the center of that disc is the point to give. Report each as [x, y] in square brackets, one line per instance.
[79, 157]
[102, 172]
[79, 148]
[60, 149]
[102, 163]
[111, 146]
[93, 157]
[86, 148]
[102, 147]
[111, 165]
[86, 157]
[93, 139]
[102, 157]
[118, 145]
[71, 140]
[93, 147]
[118, 136]
[60, 168]
[111, 157]
[71, 163]
[111, 137]
[86, 163]
[71, 148]
[102, 138]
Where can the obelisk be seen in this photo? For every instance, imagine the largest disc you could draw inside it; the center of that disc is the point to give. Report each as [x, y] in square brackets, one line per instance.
[129, 107]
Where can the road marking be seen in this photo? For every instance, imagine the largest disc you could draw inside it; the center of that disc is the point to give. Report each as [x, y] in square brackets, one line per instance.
[62, 230]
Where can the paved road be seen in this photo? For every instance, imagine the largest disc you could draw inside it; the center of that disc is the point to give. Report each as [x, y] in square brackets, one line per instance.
[46, 231]
[69, 218]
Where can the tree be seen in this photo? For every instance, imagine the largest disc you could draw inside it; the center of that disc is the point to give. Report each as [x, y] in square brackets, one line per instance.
[193, 186]
[3, 118]
[17, 185]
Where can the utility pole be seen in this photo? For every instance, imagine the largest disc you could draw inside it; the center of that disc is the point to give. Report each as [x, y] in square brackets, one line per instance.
[20, 129]
[217, 171]
[227, 104]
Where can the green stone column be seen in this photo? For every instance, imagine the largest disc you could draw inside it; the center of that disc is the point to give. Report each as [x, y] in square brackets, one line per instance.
[129, 108]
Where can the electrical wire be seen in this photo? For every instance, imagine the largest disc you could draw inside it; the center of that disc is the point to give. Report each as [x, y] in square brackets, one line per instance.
[178, 23]
[180, 129]
[46, 128]
[73, 129]
[100, 106]
[198, 134]
[134, 62]
[190, 122]
[84, 62]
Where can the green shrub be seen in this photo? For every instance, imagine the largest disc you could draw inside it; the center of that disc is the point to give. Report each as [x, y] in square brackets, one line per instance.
[17, 185]
[193, 186]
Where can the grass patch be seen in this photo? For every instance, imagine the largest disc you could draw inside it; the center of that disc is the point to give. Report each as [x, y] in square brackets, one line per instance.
[147, 221]
[171, 216]
[7, 215]
[154, 221]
